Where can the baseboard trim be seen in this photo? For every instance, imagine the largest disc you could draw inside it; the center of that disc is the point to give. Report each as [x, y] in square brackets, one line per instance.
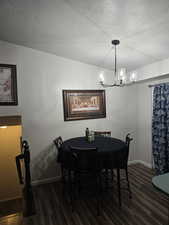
[140, 161]
[57, 178]
[45, 181]
[10, 199]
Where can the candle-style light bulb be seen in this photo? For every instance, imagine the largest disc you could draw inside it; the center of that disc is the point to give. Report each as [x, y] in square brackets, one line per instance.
[133, 77]
[101, 78]
[122, 75]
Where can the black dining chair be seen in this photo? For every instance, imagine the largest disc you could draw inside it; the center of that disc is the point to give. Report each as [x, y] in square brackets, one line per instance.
[119, 162]
[102, 133]
[104, 169]
[124, 162]
[58, 143]
[67, 165]
[87, 177]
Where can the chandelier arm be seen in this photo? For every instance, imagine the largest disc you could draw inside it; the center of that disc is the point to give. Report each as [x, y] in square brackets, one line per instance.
[115, 62]
[110, 85]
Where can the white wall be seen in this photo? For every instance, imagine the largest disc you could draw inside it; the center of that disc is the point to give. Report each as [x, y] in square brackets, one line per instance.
[144, 118]
[154, 70]
[41, 78]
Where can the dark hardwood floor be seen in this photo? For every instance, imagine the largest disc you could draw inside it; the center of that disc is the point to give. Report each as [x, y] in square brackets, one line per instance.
[147, 206]
[10, 207]
[13, 219]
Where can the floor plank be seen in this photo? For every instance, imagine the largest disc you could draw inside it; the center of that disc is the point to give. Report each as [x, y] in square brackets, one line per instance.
[10, 207]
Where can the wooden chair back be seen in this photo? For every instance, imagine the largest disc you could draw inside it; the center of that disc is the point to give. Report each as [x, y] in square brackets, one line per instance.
[58, 143]
[123, 157]
[102, 133]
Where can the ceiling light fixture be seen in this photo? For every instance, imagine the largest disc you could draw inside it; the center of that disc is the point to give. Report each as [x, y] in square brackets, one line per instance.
[120, 76]
[3, 127]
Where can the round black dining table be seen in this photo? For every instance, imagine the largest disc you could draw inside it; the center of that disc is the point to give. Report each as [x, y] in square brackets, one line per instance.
[110, 152]
[105, 145]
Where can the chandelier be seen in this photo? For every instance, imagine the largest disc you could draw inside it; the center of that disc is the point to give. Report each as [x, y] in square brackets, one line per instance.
[120, 76]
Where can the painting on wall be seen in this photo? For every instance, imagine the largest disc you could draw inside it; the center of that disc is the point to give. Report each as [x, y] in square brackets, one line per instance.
[84, 104]
[8, 85]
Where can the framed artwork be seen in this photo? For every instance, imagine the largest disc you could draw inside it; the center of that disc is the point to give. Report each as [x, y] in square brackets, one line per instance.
[8, 85]
[84, 104]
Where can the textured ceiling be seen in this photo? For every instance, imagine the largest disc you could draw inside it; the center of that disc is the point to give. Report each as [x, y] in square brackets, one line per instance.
[83, 29]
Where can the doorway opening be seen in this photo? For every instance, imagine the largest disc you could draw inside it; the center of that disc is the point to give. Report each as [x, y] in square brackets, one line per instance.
[10, 189]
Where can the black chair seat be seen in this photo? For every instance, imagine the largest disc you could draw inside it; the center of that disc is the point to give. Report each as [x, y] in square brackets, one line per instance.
[66, 162]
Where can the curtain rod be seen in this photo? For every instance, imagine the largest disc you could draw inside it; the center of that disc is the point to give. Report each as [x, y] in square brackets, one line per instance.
[153, 85]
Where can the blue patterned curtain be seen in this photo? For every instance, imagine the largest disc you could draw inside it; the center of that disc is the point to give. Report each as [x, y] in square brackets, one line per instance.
[160, 128]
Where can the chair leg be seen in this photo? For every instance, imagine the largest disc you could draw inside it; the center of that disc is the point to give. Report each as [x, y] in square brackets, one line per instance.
[98, 203]
[118, 185]
[112, 175]
[79, 185]
[128, 183]
[70, 189]
[63, 180]
[112, 180]
[99, 195]
[107, 177]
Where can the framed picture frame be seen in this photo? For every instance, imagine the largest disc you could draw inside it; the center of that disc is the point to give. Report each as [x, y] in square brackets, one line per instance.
[84, 104]
[8, 85]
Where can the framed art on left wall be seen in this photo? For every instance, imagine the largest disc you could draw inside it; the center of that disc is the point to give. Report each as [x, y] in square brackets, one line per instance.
[8, 85]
